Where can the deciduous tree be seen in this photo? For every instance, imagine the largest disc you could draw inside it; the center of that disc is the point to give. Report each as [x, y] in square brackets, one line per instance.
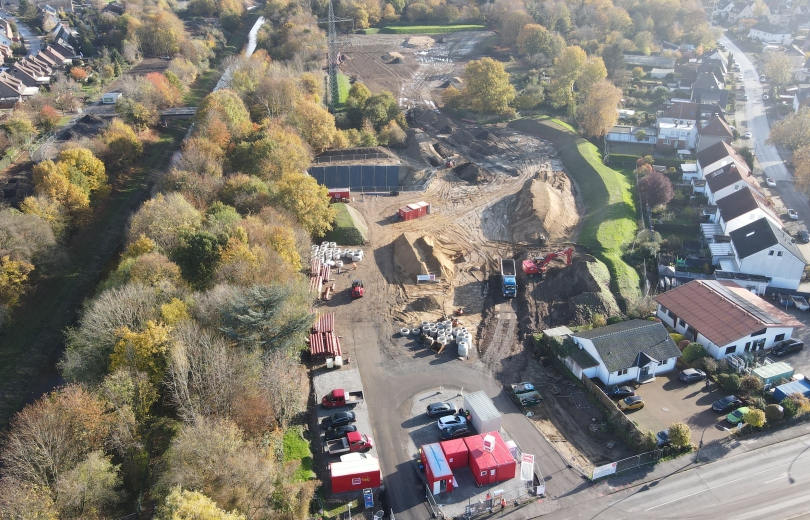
[315, 124]
[182, 504]
[13, 275]
[535, 39]
[793, 131]
[754, 417]
[302, 196]
[680, 434]
[141, 351]
[655, 189]
[164, 219]
[779, 68]
[224, 105]
[122, 142]
[91, 489]
[567, 68]
[487, 88]
[599, 111]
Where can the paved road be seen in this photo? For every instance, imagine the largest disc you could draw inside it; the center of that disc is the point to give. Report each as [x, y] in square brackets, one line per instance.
[767, 155]
[771, 482]
[393, 374]
[32, 41]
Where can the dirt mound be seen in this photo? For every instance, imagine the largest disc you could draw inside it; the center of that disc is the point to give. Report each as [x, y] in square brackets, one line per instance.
[392, 56]
[486, 135]
[395, 61]
[415, 254]
[544, 206]
[419, 42]
[425, 304]
[472, 173]
[443, 150]
[87, 126]
[572, 295]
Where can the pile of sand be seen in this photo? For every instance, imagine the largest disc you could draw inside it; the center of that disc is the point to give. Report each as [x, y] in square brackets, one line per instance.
[392, 56]
[544, 206]
[419, 42]
[415, 254]
[425, 304]
[574, 294]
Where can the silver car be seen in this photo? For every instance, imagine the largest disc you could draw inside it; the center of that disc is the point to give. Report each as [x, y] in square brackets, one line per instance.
[451, 420]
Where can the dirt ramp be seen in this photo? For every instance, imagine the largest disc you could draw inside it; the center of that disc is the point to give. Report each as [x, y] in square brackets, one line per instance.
[415, 254]
[544, 206]
[574, 294]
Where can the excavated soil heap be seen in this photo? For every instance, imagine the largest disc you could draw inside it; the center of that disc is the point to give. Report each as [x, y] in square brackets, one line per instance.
[574, 294]
[472, 173]
[419, 42]
[545, 205]
[415, 254]
[425, 304]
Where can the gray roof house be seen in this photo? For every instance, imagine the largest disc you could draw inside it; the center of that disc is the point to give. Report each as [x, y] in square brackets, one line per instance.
[634, 350]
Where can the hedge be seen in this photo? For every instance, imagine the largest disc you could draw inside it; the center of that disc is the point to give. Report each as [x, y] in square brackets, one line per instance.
[429, 29]
[608, 194]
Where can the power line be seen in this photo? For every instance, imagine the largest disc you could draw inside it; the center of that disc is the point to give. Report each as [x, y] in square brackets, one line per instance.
[333, 56]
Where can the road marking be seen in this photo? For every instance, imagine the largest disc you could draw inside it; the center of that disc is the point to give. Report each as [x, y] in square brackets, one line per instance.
[780, 477]
[723, 484]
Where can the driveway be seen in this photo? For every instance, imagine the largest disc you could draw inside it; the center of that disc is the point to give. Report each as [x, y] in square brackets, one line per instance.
[800, 360]
[668, 400]
[768, 156]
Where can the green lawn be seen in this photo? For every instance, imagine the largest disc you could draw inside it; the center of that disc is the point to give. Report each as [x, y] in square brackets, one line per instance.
[429, 29]
[370, 30]
[344, 84]
[344, 230]
[608, 193]
[296, 448]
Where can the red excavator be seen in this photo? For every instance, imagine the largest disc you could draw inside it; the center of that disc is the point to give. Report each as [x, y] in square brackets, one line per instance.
[538, 265]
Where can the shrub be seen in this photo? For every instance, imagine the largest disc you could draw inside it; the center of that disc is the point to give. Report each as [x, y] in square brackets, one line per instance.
[757, 402]
[708, 364]
[694, 351]
[680, 434]
[732, 383]
[721, 379]
[774, 412]
[598, 320]
[677, 338]
[683, 344]
[646, 442]
[614, 319]
[795, 405]
[755, 418]
[750, 384]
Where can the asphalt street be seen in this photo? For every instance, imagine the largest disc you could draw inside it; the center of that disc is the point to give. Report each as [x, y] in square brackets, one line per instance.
[32, 41]
[771, 482]
[754, 120]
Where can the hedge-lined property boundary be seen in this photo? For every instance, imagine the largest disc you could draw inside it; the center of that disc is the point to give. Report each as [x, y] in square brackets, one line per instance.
[429, 29]
[611, 219]
[624, 159]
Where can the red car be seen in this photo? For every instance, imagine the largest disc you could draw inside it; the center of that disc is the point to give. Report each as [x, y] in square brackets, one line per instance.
[357, 289]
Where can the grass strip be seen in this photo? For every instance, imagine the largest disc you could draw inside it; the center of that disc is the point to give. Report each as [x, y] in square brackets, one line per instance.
[429, 29]
[610, 222]
[344, 230]
[296, 448]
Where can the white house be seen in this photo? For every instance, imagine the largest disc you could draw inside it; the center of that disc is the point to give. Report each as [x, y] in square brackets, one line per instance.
[724, 317]
[634, 350]
[801, 98]
[677, 126]
[743, 207]
[712, 132]
[768, 32]
[627, 134]
[717, 156]
[110, 98]
[727, 180]
[763, 249]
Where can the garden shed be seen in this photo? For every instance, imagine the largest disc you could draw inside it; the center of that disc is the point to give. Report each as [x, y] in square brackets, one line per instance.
[801, 386]
[483, 414]
[773, 373]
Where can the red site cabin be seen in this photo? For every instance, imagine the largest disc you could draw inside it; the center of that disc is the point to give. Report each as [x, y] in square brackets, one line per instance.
[456, 453]
[355, 475]
[412, 211]
[339, 194]
[490, 460]
[437, 469]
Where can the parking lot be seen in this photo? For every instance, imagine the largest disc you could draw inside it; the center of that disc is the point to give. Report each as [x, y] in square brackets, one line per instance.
[800, 360]
[668, 400]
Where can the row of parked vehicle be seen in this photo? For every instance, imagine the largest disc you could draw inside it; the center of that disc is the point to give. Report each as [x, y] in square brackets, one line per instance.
[453, 422]
[341, 435]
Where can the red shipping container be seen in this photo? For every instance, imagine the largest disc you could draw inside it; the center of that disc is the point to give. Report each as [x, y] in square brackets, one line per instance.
[407, 213]
[456, 453]
[482, 463]
[355, 475]
[507, 466]
[437, 470]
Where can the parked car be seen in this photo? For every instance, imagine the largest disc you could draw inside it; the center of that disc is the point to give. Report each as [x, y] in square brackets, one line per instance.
[441, 409]
[762, 78]
[739, 77]
[631, 403]
[690, 375]
[793, 215]
[662, 438]
[747, 135]
[737, 415]
[804, 236]
[770, 182]
[451, 420]
[786, 347]
[338, 419]
[765, 97]
[725, 404]
[618, 392]
[453, 432]
[745, 97]
[340, 431]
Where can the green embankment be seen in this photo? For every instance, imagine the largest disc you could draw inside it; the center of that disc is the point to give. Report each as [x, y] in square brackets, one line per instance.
[344, 84]
[608, 194]
[347, 231]
[429, 29]
[296, 447]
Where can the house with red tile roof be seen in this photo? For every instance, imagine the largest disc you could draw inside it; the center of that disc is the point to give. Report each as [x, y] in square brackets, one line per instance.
[724, 317]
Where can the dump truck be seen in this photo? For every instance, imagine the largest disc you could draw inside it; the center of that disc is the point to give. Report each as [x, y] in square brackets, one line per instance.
[339, 397]
[353, 441]
[525, 394]
[509, 282]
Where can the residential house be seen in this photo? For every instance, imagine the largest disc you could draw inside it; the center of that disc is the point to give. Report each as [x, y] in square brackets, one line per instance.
[716, 156]
[742, 207]
[637, 60]
[768, 32]
[32, 74]
[677, 126]
[762, 249]
[742, 10]
[729, 179]
[724, 317]
[722, 9]
[5, 29]
[8, 42]
[634, 350]
[54, 56]
[689, 171]
[801, 98]
[661, 73]
[5, 52]
[799, 22]
[65, 50]
[712, 132]
[114, 8]
[627, 134]
[708, 89]
[57, 5]
[12, 90]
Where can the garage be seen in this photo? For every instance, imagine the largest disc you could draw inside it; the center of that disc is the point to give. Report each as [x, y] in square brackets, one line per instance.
[483, 414]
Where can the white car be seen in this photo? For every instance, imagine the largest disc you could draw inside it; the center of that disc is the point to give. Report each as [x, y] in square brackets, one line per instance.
[770, 182]
[765, 96]
[451, 420]
[740, 77]
[793, 215]
[747, 135]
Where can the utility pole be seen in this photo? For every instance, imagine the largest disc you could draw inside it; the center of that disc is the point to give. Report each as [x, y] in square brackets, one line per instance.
[333, 56]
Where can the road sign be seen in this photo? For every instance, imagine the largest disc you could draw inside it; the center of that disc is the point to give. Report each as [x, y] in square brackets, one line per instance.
[368, 498]
[527, 467]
